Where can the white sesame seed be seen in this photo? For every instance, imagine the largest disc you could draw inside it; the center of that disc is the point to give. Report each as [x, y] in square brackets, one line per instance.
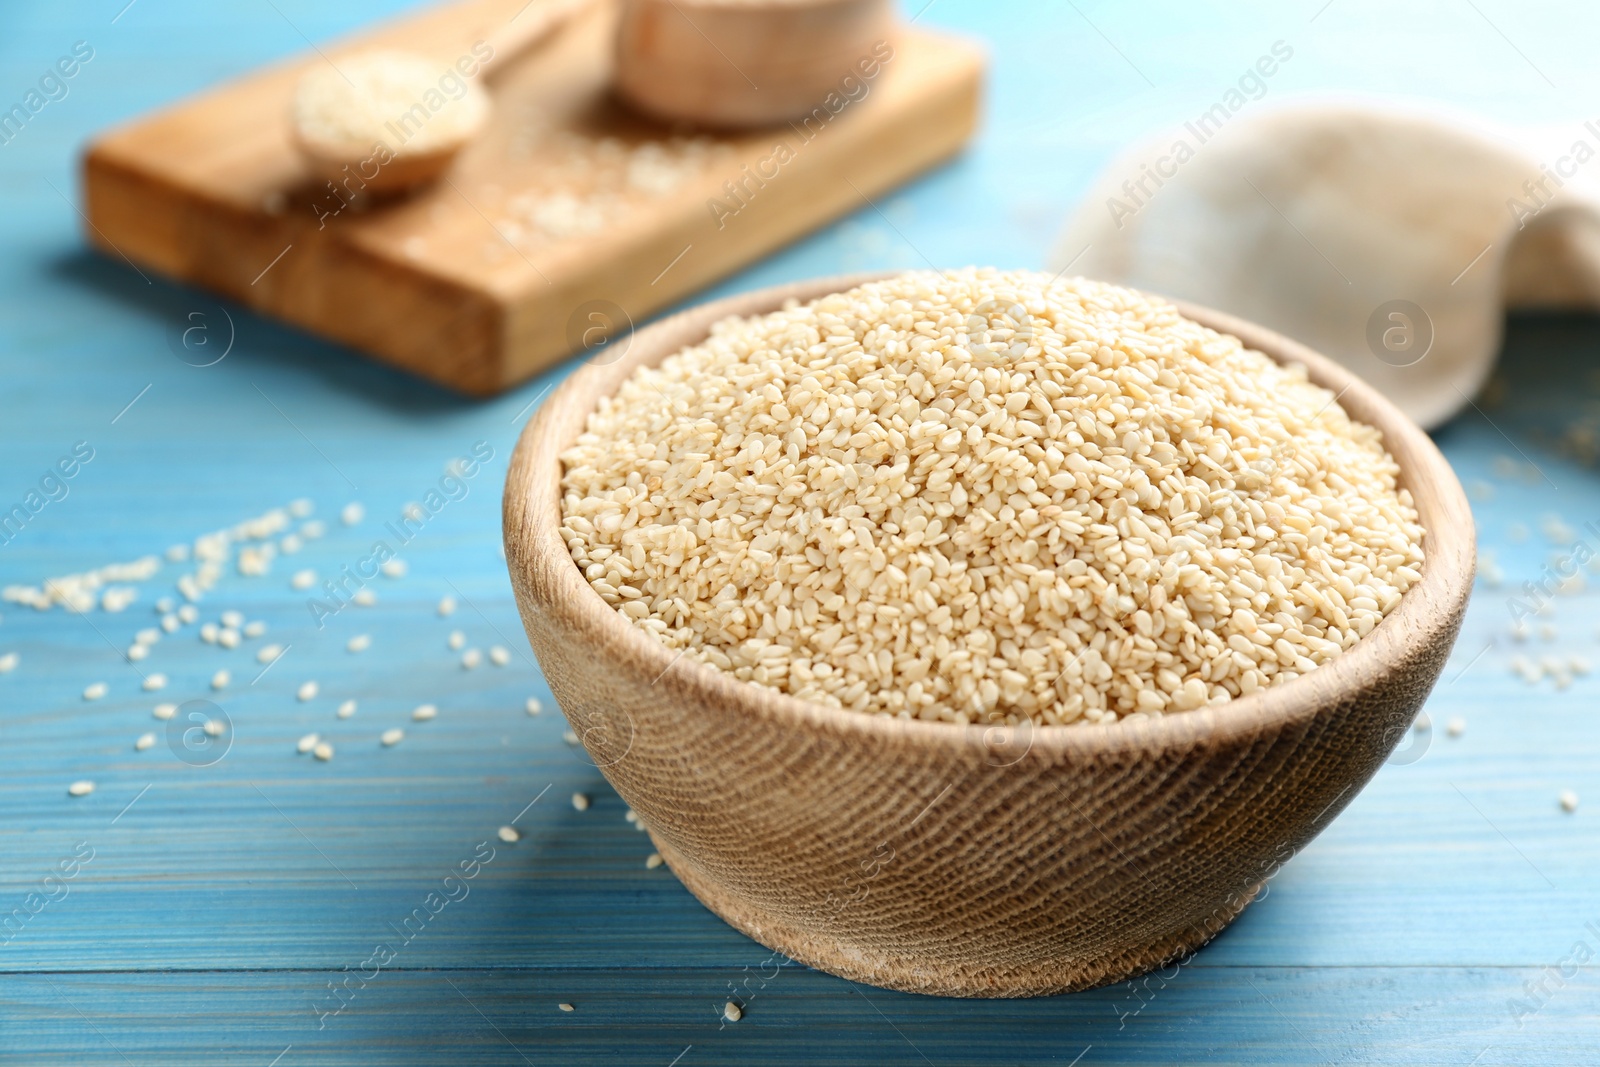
[268, 653]
[155, 681]
[470, 659]
[8, 662]
[188, 613]
[457, 640]
[148, 636]
[365, 597]
[1456, 726]
[209, 632]
[228, 638]
[564, 1006]
[499, 656]
[1578, 665]
[301, 508]
[533, 706]
[508, 834]
[393, 568]
[1547, 632]
[580, 802]
[323, 751]
[352, 513]
[569, 737]
[290, 544]
[392, 736]
[165, 711]
[255, 629]
[732, 1012]
[1569, 800]
[1084, 447]
[652, 861]
[307, 691]
[213, 728]
[447, 606]
[423, 712]
[313, 529]
[177, 553]
[303, 579]
[358, 643]
[145, 741]
[80, 789]
[630, 816]
[137, 652]
[232, 619]
[347, 709]
[170, 623]
[1422, 722]
[94, 691]
[163, 605]
[307, 743]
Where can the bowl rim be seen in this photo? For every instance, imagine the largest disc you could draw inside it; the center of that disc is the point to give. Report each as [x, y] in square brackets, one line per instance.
[543, 569]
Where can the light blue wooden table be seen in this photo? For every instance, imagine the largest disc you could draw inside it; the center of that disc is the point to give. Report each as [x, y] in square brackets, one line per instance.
[223, 900]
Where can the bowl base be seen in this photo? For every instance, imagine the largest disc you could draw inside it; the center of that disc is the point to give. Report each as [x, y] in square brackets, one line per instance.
[942, 977]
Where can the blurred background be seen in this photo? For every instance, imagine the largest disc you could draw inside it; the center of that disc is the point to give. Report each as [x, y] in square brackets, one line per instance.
[232, 883]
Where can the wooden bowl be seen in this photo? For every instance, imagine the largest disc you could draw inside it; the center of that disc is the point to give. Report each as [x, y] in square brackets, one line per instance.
[738, 63]
[971, 861]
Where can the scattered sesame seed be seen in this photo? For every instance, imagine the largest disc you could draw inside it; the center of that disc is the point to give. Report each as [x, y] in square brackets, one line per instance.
[137, 652]
[80, 789]
[509, 834]
[307, 743]
[255, 629]
[165, 711]
[470, 659]
[145, 741]
[393, 568]
[732, 1012]
[352, 513]
[1422, 722]
[347, 709]
[307, 691]
[163, 605]
[447, 606]
[170, 623]
[392, 736]
[457, 641]
[423, 712]
[358, 643]
[630, 816]
[365, 597]
[8, 662]
[290, 544]
[188, 613]
[313, 529]
[148, 636]
[228, 638]
[154, 682]
[564, 1006]
[268, 653]
[213, 728]
[301, 508]
[1578, 665]
[323, 751]
[232, 619]
[1569, 800]
[499, 656]
[652, 861]
[177, 553]
[1519, 631]
[208, 632]
[94, 691]
[580, 802]
[303, 579]
[1456, 726]
[1547, 631]
[533, 706]
[569, 737]
[221, 679]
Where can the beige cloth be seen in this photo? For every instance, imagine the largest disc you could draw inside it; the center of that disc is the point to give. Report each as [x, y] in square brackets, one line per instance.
[1313, 219]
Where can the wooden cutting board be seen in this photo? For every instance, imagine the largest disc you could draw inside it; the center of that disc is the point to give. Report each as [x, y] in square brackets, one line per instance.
[571, 219]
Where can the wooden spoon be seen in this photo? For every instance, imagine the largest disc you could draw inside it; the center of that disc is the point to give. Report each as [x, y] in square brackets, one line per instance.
[393, 120]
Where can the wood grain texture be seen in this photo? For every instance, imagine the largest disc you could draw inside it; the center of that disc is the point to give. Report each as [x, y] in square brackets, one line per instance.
[463, 283]
[968, 861]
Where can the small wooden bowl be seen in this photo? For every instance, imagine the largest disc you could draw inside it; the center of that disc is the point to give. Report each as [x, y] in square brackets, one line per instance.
[735, 63]
[967, 861]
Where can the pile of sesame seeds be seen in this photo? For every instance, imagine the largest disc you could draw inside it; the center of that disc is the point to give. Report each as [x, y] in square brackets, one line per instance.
[982, 496]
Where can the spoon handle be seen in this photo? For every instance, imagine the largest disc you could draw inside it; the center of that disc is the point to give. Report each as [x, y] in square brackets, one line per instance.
[536, 23]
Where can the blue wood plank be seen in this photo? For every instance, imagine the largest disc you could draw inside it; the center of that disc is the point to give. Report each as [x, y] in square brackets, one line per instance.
[220, 900]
